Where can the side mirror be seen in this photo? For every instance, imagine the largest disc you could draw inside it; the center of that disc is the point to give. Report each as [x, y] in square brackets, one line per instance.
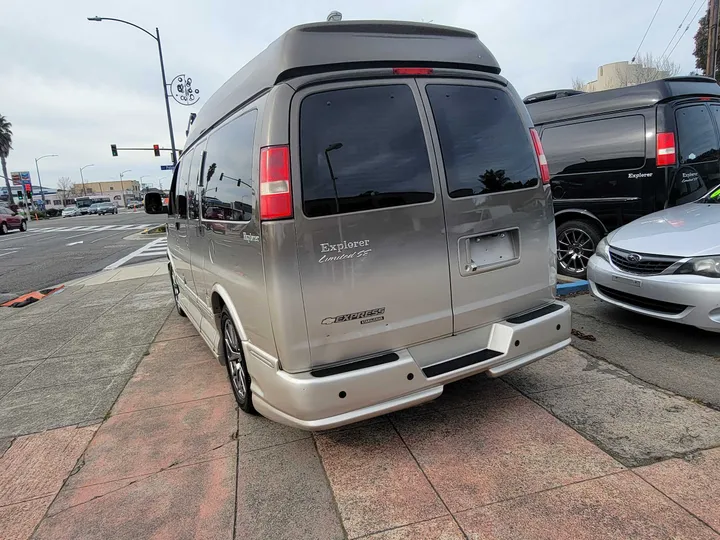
[153, 203]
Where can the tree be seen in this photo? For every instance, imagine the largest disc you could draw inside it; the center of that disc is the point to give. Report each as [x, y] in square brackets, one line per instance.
[578, 83]
[646, 68]
[701, 47]
[66, 186]
[5, 147]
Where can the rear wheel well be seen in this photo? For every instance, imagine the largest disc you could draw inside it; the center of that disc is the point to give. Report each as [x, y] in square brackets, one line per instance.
[580, 216]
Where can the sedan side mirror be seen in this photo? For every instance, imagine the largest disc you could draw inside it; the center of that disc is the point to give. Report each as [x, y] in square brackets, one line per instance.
[154, 203]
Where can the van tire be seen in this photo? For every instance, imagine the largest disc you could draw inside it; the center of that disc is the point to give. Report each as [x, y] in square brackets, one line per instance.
[235, 362]
[576, 243]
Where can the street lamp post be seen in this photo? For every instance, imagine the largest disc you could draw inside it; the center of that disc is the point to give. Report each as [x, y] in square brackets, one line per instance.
[82, 180]
[122, 186]
[42, 192]
[156, 37]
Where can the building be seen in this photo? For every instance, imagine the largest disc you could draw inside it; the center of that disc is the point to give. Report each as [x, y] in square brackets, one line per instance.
[621, 74]
[53, 198]
[119, 191]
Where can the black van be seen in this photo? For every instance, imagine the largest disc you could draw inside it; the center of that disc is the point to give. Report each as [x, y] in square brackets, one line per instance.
[620, 154]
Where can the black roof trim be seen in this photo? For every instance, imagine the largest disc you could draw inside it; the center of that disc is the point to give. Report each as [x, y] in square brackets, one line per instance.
[332, 46]
[551, 94]
[621, 99]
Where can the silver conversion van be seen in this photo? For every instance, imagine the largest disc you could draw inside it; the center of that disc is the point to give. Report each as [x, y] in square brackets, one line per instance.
[360, 216]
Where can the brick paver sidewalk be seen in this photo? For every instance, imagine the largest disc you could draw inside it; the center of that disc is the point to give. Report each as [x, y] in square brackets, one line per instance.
[175, 459]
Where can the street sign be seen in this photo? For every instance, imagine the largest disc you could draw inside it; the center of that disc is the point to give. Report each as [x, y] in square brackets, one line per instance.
[20, 178]
[167, 167]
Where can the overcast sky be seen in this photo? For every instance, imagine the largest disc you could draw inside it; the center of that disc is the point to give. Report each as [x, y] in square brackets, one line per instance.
[72, 87]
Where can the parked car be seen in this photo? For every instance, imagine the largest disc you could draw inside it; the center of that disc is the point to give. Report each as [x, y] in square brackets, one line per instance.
[93, 208]
[105, 208]
[618, 155]
[665, 265]
[70, 211]
[10, 219]
[134, 205]
[361, 263]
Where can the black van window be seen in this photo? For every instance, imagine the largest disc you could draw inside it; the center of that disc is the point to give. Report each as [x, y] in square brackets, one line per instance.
[228, 191]
[182, 185]
[613, 144]
[361, 149]
[485, 146]
[697, 139]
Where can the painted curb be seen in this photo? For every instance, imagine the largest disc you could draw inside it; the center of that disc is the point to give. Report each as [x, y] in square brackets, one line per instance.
[563, 289]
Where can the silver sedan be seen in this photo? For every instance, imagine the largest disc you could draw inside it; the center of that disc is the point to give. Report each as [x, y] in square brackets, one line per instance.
[665, 265]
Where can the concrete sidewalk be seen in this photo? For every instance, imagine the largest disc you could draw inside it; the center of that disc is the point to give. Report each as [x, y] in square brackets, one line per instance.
[570, 447]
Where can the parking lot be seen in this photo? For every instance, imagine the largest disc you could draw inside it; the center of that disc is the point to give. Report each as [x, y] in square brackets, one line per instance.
[616, 436]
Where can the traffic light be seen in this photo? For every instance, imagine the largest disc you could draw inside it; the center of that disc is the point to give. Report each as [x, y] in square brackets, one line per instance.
[28, 190]
[113, 149]
[156, 150]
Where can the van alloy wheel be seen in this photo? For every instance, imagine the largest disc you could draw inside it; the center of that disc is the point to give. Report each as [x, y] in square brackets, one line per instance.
[575, 247]
[235, 363]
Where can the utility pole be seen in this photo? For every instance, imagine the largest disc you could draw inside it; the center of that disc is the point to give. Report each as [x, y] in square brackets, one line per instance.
[712, 38]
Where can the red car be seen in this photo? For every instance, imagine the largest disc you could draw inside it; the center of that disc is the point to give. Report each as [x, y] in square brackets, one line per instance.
[11, 220]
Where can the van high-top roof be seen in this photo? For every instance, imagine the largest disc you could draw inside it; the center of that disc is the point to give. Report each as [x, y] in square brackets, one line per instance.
[333, 46]
[556, 108]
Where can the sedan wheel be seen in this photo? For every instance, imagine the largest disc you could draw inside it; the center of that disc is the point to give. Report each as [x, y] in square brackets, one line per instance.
[23, 226]
[235, 363]
[575, 246]
[3, 228]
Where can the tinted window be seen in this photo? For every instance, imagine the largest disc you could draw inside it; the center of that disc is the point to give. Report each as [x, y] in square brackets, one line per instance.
[597, 146]
[696, 135]
[228, 191]
[485, 146]
[193, 181]
[182, 182]
[362, 148]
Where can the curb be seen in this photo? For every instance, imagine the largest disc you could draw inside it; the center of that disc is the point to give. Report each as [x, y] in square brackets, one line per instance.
[563, 289]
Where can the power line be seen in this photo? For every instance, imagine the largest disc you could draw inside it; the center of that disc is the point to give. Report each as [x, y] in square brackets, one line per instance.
[678, 28]
[646, 31]
[686, 29]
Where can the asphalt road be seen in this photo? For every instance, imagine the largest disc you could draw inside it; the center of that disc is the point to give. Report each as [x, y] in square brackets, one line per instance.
[678, 358]
[57, 250]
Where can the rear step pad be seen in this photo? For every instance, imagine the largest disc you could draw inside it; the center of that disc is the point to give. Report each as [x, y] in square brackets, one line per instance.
[368, 362]
[461, 362]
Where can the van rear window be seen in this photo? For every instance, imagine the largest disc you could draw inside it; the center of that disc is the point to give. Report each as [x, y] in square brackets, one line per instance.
[485, 146]
[362, 149]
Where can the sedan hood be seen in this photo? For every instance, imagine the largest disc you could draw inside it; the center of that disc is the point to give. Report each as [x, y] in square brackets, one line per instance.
[689, 230]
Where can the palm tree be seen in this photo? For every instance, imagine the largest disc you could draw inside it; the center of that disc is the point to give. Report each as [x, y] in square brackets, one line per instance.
[5, 147]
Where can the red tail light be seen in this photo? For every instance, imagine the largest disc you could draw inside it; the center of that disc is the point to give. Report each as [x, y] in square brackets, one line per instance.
[275, 192]
[665, 149]
[542, 160]
[412, 71]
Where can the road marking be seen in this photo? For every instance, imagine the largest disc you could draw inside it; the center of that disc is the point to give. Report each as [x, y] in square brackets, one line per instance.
[75, 243]
[8, 253]
[155, 248]
[94, 228]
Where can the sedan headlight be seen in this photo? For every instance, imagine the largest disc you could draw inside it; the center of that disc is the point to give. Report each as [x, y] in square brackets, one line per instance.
[702, 266]
[602, 249]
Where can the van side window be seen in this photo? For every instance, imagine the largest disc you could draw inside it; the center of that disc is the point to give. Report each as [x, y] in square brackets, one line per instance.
[362, 149]
[697, 139]
[612, 144]
[228, 191]
[182, 182]
[485, 146]
[193, 179]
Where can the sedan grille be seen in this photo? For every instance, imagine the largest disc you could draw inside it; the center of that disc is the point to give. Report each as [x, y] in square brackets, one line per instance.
[660, 306]
[636, 263]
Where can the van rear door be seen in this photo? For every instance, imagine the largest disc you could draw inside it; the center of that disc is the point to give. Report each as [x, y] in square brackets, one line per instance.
[371, 242]
[498, 215]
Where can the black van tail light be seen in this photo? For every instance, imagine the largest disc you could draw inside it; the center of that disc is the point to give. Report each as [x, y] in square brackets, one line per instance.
[540, 153]
[412, 71]
[275, 191]
[665, 149]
